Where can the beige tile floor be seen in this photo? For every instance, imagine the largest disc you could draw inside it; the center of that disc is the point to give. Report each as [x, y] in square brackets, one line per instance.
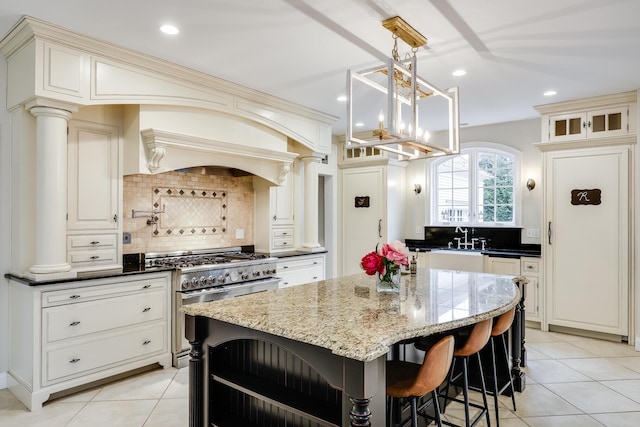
[571, 381]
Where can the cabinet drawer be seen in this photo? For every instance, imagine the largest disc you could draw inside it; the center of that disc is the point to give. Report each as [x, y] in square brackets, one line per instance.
[73, 320]
[294, 262]
[283, 242]
[91, 256]
[286, 233]
[530, 267]
[104, 290]
[107, 349]
[301, 276]
[91, 241]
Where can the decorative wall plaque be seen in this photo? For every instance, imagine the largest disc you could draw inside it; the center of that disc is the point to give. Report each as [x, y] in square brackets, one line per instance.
[362, 201]
[586, 197]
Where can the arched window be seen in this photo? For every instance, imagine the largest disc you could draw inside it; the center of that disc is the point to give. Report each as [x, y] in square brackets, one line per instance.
[476, 187]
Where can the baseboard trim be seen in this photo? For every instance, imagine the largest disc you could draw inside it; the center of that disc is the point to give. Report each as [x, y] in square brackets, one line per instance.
[3, 380]
[589, 334]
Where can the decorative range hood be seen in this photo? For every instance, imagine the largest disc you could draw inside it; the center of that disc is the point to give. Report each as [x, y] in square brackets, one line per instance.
[171, 151]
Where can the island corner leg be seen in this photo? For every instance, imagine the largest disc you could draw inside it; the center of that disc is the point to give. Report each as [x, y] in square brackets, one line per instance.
[360, 413]
[364, 396]
[196, 331]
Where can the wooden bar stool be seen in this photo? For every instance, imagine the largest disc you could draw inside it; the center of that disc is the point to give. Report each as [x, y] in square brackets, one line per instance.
[500, 325]
[475, 341]
[412, 380]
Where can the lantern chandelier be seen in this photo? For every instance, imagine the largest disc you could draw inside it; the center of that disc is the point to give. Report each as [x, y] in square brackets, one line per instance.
[407, 103]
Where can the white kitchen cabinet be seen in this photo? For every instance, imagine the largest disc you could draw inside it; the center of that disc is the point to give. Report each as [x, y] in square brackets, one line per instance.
[274, 216]
[372, 209]
[600, 123]
[282, 203]
[531, 269]
[587, 197]
[70, 334]
[587, 246]
[589, 119]
[94, 196]
[297, 270]
[498, 265]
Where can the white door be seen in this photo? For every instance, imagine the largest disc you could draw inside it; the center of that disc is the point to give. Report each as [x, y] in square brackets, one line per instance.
[587, 246]
[363, 227]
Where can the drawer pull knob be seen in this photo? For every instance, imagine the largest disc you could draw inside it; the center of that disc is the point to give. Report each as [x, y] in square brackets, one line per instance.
[315, 277]
[95, 257]
[146, 309]
[74, 360]
[76, 323]
[284, 233]
[95, 242]
[147, 342]
[285, 266]
[74, 296]
[146, 286]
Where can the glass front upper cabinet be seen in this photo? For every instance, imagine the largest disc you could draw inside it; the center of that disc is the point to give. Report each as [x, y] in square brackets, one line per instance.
[589, 124]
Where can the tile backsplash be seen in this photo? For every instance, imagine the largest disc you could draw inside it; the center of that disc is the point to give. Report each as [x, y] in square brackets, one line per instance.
[201, 211]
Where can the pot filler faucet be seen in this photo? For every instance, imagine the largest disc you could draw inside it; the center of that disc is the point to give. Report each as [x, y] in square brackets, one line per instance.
[466, 244]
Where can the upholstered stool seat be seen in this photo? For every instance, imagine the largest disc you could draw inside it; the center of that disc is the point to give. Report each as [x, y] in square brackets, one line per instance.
[412, 380]
[469, 342]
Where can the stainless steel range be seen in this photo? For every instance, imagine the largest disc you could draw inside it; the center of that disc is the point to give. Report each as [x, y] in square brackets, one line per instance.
[209, 275]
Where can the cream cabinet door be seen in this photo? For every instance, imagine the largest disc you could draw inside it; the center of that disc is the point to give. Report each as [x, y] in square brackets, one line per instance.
[587, 242]
[93, 176]
[364, 218]
[282, 203]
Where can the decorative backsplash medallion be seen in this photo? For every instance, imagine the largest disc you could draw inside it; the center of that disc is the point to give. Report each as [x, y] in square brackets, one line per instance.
[190, 211]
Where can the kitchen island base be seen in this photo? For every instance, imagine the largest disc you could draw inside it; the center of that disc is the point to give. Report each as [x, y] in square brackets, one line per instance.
[241, 376]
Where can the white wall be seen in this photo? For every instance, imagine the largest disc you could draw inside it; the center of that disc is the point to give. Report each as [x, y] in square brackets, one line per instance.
[520, 135]
[5, 229]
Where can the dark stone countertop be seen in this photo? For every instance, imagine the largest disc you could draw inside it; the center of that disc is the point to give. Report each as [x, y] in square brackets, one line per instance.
[524, 251]
[127, 270]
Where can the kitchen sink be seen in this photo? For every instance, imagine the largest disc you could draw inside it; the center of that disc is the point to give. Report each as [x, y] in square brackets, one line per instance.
[457, 259]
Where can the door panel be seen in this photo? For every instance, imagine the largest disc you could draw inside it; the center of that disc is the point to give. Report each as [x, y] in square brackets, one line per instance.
[360, 224]
[588, 250]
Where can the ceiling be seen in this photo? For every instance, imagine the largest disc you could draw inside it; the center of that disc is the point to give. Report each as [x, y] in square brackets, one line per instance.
[300, 50]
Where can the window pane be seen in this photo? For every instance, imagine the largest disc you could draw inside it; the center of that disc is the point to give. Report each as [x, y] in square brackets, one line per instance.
[504, 195]
[504, 214]
[487, 214]
[486, 162]
[445, 180]
[487, 196]
[505, 162]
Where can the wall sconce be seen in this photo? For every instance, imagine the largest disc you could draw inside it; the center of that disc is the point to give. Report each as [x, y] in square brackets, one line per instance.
[531, 184]
[417, 188]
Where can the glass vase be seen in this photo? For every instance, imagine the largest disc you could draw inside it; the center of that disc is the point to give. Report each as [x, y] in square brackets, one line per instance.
[389, 283]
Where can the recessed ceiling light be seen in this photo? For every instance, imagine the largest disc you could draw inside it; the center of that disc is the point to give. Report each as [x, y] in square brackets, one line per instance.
[359, 124]
[459, 73]
[342, 98]
[169, 29]
[550, 93]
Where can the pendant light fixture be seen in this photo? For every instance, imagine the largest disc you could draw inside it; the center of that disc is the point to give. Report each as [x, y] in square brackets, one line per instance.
[406, 106]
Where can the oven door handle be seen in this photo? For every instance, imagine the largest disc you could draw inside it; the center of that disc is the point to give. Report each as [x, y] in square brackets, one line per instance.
[212, 291]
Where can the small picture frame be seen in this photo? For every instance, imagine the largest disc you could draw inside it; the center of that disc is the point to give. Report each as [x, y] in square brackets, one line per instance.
[362, 201]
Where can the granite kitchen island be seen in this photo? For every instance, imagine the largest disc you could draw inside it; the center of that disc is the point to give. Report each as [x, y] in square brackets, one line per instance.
[315, 354]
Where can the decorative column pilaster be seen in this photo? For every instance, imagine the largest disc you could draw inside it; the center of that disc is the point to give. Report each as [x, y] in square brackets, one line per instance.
[310, 242]
[51, 193]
